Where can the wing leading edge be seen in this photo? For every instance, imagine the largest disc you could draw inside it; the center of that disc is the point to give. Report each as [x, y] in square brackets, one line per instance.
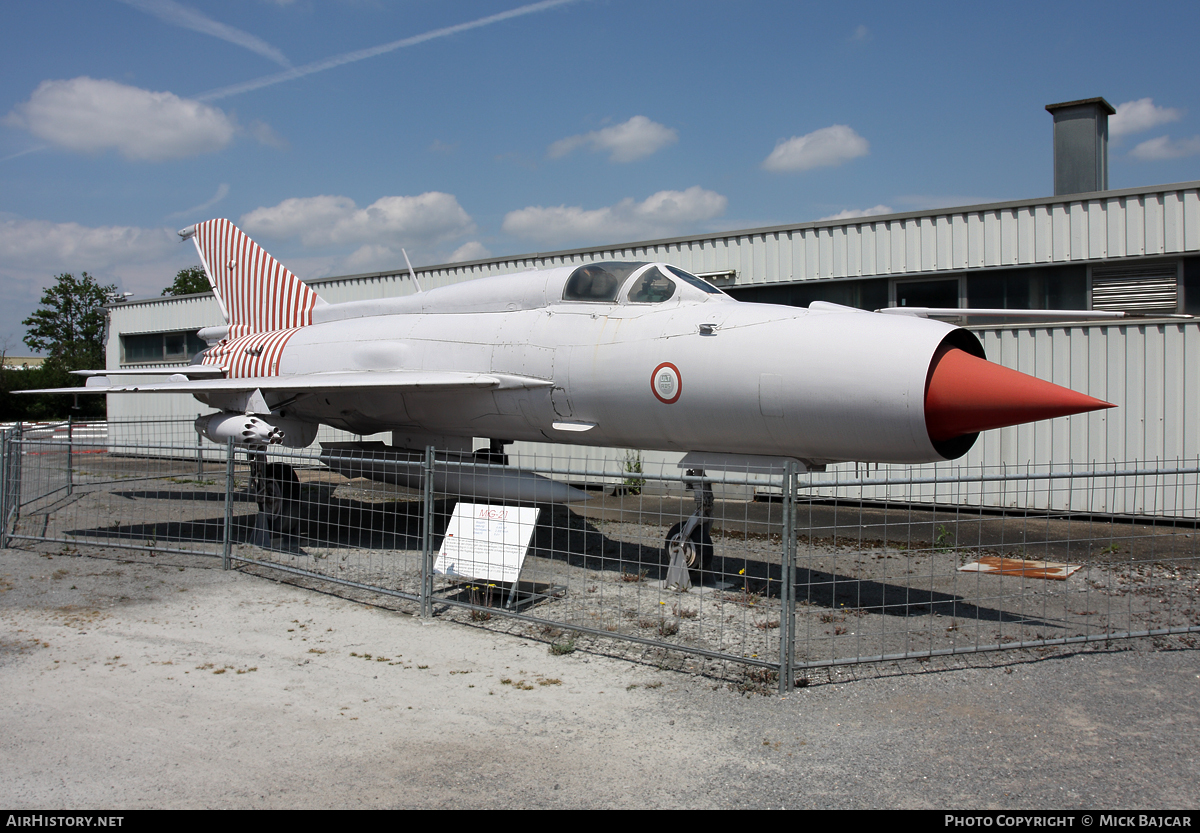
[334, 381]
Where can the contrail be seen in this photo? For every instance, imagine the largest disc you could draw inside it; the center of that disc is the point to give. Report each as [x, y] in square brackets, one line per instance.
[350, 57]
[23, 152]
[177, 14]
[222, 193]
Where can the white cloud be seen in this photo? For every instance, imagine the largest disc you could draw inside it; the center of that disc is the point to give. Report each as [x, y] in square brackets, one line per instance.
[1136, 116]
[70, 247]
[851, 213]
[659, 215]
[90, 116]
[378, 257]
[827, 147]
[177, 14]
[424, 220]
[263, 133]
[632, 140]
[928, 202]
[32, 252]
[371, 257]
[473, 250]
[1164, 147]
[861, 33]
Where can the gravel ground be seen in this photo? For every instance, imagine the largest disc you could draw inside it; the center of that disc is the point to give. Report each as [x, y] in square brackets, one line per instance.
[147, 683]
[868, 586]
[153, 679]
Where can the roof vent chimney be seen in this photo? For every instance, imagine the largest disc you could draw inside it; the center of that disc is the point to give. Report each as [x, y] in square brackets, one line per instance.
[1080, 145]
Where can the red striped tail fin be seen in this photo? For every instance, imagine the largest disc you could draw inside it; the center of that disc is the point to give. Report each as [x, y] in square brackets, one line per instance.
[257, 293]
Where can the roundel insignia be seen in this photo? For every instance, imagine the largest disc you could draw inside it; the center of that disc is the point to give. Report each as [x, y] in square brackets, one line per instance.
[666, 383]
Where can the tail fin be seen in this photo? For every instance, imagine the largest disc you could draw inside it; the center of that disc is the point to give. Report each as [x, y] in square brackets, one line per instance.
[257, 294]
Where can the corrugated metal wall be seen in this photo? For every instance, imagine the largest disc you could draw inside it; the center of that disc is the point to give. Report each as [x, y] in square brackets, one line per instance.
[1115, 224]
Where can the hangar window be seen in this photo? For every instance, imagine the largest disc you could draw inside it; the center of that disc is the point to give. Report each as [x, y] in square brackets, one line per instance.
[935, 293]
[598, 281]
[150, 348]
[1053, 287]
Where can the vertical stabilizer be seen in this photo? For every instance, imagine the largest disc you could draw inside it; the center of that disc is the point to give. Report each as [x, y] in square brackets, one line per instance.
[256, 292]
[263, 302]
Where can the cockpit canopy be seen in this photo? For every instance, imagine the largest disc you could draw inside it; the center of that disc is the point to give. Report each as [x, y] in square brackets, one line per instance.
[652, 283]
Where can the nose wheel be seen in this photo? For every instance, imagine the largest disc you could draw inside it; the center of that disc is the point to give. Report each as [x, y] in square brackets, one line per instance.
[694, 549]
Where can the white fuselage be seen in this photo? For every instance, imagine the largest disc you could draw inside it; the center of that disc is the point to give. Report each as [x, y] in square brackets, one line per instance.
[697, 372]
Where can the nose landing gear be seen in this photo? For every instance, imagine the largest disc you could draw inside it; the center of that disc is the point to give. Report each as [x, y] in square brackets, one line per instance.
[689, 544]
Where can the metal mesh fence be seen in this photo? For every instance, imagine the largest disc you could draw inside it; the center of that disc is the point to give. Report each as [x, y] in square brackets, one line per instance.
[778, 572]
[602, 567]
[309, 520]
[899, 578]
[82, 488]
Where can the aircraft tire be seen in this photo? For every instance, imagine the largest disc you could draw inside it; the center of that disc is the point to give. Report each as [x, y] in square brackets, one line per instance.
[697, 549]
[279, 496]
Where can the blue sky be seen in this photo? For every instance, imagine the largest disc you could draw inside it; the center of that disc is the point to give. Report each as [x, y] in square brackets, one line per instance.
[336, 132]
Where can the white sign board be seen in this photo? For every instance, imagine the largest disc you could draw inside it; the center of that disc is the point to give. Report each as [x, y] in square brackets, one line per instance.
[487, 543]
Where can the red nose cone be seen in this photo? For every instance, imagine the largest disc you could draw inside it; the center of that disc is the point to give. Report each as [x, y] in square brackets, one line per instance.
[966, 395]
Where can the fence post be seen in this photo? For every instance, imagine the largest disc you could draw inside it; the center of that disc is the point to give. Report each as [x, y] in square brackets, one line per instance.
[227, 534]
[5, 450]
[787, 592]
[16, 445]
[199, 453]
[70, 455]
[427, 535]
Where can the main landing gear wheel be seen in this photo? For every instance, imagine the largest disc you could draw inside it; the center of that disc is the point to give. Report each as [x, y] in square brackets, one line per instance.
[696, 549]
[277, 492]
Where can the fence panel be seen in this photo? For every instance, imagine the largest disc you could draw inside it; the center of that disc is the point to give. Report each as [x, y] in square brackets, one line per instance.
[132, 496]
[789, 571]
[896, 578]
[600, 564]
[319, 523]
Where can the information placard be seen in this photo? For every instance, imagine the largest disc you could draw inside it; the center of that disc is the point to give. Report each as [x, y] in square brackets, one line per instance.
[487, 543]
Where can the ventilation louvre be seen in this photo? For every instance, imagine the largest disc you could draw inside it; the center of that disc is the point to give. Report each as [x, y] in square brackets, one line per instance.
[1145, 287]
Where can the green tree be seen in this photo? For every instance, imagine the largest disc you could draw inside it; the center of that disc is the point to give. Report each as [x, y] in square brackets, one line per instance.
[68, 325]
[15, 406]
[189, 281]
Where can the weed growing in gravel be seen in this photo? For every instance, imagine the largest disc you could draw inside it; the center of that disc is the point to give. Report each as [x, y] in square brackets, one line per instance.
[563, 648]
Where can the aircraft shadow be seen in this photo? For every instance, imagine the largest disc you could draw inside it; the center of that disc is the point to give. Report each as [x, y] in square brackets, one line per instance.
[838, 592]
[560, 536]
[328, 522]
[582, 545]
[165, 494]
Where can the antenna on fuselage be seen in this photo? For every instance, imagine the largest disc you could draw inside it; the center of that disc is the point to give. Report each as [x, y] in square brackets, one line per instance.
[410, 269]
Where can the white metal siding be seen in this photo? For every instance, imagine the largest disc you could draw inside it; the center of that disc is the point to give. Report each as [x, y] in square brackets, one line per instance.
[1121, 224]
